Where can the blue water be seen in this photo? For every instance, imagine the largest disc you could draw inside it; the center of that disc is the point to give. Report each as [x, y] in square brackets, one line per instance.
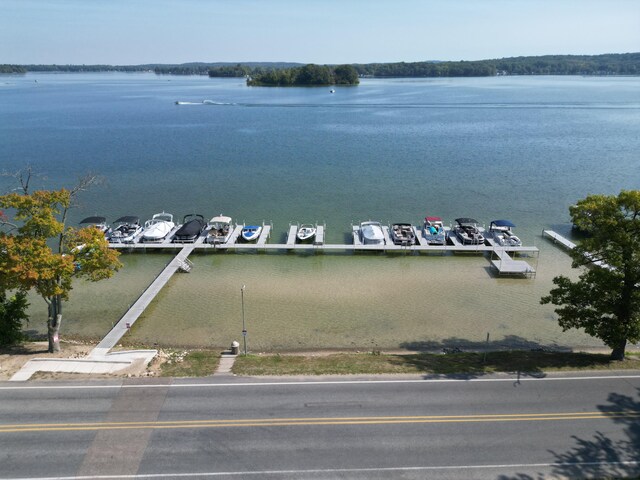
[521, 148]
[524, 148]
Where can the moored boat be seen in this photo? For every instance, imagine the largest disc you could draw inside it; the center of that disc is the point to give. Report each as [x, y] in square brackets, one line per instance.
[501, 233]
[433, 231]
[125, 230]
[468, 232]
[192, 226]
[220, 229]
[97, 222]
[251, 232]
[306, 232]
[371, 233]
[157, 228]
[403, 234]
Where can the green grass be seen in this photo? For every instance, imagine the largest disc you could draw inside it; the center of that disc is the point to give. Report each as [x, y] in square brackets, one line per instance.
[427, 363]
[197, 363]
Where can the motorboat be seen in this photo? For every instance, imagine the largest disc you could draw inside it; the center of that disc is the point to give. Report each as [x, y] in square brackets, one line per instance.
[371, 233]
[220, 229]
[157, 229]
[501, 233]
[433, 231]
[306, 232]
[125, 230]
[251, 232]
[97, 222]
[403, 234]
[468, 232]
[192, 226]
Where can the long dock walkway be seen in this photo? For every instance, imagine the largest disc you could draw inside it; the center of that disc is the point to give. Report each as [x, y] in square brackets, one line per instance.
[180, 261]
[569, 245]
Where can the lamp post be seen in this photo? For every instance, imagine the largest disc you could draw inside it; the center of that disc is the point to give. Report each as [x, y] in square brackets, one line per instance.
[244, 329]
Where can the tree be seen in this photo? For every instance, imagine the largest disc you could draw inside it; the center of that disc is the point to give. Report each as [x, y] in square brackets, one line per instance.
[605, 301]
[12, 314]
[29, 262]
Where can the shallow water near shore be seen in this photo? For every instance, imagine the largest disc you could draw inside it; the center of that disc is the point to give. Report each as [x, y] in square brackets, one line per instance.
[521, 148]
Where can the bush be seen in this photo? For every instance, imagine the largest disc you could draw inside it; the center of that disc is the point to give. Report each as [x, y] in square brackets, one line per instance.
[12, 314]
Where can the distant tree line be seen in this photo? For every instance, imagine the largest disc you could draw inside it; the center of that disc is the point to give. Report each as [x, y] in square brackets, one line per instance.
[12, 69]
[265, 73]
[306, 76]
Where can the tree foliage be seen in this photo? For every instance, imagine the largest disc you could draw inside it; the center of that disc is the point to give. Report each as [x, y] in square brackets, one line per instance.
[309, 75]
[38, 252]
[13, 312]
[605, 301]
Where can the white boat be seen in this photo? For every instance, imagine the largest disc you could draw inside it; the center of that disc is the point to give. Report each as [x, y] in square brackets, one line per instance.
[371, 233]
[468, 231]
[403, 234]
[157, 229]
[97, 222]
[433, 231]
[220, 229]
[306, 232]
[251, 232]
[125, 230]
[500, 231]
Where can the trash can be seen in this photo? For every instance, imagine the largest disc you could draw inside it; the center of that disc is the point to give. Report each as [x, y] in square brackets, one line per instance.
[235, 348]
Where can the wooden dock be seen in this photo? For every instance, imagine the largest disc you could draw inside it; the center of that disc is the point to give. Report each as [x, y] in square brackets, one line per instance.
[569, 245]
[505, 265]
[179, 262]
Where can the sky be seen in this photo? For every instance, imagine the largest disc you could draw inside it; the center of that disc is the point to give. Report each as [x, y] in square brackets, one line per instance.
[131, 32]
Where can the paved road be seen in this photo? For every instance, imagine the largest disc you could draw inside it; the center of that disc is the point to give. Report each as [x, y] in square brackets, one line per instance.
[505, 428]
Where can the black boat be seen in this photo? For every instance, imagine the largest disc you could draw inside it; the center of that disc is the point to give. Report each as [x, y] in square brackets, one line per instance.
[468, 232]
[192, 226]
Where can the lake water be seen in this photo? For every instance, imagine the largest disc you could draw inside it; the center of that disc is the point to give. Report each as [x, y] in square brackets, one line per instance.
[522, 148]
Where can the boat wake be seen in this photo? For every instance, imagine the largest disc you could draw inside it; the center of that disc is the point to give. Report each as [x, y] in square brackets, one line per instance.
[204, 102]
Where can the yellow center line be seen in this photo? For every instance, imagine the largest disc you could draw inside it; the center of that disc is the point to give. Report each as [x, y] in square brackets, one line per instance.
[286, 422]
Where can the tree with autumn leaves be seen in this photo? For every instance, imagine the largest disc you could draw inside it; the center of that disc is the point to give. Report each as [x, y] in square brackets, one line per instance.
[39, 252]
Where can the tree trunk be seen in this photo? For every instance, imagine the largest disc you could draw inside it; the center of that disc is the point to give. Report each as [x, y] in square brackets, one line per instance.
[618, 350]
[53, 323]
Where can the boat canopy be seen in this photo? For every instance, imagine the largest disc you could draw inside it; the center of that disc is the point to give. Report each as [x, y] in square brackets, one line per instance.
[94, 220]
[220, 219]
[503, 223]
[432, 219]
[128, 219]
[463, 221]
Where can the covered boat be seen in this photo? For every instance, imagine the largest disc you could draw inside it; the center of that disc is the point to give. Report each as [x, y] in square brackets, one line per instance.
[98, 222]
[157, 229]
[220, 229]
[371, 233]
[433, 231]
[403, 234]
[192, 226]
[125, 230]
[501, 233]
[251, 232]
[306, 232]
[468, 232]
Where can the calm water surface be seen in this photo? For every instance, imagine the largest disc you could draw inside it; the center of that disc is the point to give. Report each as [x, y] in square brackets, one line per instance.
[391, 150]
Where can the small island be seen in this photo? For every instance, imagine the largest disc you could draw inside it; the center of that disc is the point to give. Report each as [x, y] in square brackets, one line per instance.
[307, 76]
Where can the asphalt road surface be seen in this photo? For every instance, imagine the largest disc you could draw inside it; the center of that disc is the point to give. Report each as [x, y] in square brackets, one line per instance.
[505, 428]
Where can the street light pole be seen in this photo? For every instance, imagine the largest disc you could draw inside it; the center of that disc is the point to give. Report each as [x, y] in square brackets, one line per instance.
[244, 329]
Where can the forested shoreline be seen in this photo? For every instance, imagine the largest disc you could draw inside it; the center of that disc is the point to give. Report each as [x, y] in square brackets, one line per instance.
[266, 72]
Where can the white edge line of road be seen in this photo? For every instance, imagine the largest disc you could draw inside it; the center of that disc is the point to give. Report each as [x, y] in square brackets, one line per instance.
[340, 470]
[519, 379]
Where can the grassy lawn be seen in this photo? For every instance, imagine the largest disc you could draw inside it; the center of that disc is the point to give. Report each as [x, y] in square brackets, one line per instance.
[426, 363]
[196, 363]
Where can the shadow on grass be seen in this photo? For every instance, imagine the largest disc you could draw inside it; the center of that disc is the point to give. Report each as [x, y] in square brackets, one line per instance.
[603, 455]
[523, 357]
